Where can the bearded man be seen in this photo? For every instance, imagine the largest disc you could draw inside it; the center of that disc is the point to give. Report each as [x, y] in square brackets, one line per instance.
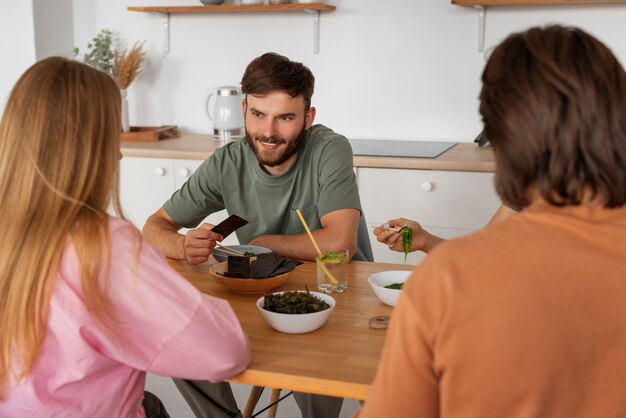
[284, 164]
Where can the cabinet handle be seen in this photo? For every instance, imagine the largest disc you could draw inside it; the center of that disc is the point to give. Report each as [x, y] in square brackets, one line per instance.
[185, 172]
[159, 171]
[427, 186]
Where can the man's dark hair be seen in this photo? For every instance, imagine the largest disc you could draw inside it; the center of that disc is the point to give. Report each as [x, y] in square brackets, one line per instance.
[553, 104]
[273, 72]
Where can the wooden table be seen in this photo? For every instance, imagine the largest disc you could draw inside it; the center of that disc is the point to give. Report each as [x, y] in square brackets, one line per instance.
[339, 359]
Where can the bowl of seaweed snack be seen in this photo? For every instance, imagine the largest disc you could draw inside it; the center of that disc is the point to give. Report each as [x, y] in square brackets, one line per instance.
[387, 285]
[296, 312]
[253, 275]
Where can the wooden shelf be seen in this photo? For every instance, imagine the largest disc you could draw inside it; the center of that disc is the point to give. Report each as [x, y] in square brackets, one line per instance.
[531, 2]
[314, 8]
[237, 8]
[481, 6]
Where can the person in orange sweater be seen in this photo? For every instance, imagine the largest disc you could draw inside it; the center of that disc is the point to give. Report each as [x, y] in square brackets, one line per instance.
[525, 318]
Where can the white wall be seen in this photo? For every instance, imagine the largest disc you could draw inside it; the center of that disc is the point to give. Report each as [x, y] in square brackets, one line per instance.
[31, 30]
[17, 45]
[54, 29]
[401, 69]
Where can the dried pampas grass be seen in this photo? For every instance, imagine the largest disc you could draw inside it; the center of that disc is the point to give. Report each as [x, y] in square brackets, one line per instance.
[128, 64]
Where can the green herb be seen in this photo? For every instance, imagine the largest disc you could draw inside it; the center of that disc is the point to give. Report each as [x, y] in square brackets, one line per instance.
[249, 254]
[396, 286]
[407, 240]
[294, 303]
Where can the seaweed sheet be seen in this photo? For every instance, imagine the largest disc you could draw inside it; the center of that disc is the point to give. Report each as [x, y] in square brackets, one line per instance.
[262, 266]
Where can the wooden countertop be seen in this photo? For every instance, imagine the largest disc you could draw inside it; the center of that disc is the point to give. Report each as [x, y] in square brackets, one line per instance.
[461, 157]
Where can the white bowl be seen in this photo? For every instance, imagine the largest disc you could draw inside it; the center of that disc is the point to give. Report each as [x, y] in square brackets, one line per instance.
[221, 255]
[210, 2]
[297, 323]
[378, 281]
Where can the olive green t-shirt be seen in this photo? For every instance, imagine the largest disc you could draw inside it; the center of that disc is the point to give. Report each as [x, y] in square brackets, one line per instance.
[321, 180]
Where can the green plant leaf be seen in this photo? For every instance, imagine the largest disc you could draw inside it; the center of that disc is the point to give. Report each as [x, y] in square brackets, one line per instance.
[100, 54]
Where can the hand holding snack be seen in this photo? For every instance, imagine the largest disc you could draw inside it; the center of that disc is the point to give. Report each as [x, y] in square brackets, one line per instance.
[199, 243]
[390, 234]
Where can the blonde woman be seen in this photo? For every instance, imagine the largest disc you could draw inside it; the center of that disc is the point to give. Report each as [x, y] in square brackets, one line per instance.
[86, 308]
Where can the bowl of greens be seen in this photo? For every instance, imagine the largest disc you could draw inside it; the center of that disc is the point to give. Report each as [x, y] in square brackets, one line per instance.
[249, 250]
[387, 285]
[296, 312]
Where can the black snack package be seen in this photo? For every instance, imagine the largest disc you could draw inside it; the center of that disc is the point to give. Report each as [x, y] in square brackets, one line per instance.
[229, 225]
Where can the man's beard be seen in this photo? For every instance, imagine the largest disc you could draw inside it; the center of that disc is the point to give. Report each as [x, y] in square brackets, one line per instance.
[292, 148]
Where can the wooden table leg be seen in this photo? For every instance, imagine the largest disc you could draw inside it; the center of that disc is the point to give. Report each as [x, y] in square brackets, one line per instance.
[253, 399]
[275, 395]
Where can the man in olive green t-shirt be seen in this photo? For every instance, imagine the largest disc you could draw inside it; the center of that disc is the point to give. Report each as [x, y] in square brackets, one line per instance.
[320, 181]
[283, 164]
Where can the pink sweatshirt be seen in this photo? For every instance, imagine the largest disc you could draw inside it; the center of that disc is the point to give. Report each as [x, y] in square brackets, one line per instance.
[163, 325]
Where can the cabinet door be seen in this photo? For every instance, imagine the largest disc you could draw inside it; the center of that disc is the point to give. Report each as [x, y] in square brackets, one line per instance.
[182, 170]
[145, 184]
[446, 203]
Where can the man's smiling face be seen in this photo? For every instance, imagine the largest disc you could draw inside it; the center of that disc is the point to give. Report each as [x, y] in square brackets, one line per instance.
[275, 127]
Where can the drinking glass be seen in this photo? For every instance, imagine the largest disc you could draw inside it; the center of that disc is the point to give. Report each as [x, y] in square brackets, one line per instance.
[332, 271]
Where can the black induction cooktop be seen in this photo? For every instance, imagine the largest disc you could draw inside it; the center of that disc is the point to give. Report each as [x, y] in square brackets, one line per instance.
[391, 148]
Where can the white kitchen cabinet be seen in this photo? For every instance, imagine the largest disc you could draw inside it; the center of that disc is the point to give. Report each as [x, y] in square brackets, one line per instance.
[183, 169]
[146, 183]
[446, 203]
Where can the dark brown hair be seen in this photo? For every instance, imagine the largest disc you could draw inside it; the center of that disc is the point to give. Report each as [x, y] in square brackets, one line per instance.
[273, 72]
[553, 104]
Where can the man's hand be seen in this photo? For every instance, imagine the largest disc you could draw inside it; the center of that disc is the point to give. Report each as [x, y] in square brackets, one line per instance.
[199, 243]
[422, 239]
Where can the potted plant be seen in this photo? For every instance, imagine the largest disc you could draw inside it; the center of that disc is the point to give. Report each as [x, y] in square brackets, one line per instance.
[123, 66]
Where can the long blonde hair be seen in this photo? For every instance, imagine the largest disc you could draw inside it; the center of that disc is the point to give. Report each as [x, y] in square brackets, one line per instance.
[59, 173]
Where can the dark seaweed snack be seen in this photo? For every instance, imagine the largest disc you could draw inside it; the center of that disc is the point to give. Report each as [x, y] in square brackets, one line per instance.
[229, 225]
[238, 266]
[260, 266]
[396, 286]
[294, 303]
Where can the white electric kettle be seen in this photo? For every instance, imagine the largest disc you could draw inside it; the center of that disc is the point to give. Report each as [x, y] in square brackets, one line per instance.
[226, 113]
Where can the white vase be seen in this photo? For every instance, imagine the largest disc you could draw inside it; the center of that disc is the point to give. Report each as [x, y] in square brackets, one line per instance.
[125, 124]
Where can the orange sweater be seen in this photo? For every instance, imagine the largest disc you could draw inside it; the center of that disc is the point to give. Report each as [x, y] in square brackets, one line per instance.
[526, 318]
